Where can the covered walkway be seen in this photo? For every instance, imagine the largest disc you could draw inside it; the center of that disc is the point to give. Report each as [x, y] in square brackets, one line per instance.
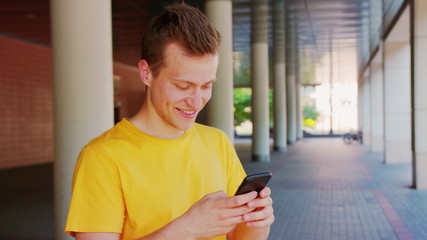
[323, 189]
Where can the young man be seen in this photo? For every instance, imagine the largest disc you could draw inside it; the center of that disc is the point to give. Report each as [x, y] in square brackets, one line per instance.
[158, 175]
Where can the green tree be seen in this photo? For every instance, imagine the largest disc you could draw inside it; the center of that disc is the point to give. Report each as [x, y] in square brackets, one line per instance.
[242, 105]
[310, 112]
[310, 116]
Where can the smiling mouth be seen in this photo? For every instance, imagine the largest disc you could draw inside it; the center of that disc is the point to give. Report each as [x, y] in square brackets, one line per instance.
[187, 112]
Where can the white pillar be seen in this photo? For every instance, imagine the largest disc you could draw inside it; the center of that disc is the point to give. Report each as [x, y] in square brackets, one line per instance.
[377, 89]
[377, 106]
[397, 102]
[291, 106]
[298, 108]
[260, 81]
[360, 104]
[83, 88]
[297, 88]
[420, 93]
[291, 111]
[220, 108]
[366, 117]
[279, 74]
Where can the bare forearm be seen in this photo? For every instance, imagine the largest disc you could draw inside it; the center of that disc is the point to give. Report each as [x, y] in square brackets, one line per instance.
[248, 233]
[170, 231]
[174, 230]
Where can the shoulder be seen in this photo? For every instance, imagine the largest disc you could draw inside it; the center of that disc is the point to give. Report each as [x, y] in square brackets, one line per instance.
[99, 155]
[210, 131]
[100, 140]
[108, 140]
[213, 136]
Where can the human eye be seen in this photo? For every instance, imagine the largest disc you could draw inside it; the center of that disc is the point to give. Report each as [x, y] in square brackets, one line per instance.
[207, 86]
[182, 86]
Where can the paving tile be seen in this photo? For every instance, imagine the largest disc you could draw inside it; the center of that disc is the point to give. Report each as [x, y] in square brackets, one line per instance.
[324, 189]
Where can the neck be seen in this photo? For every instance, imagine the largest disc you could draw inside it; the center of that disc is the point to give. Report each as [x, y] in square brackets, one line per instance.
[148, 121]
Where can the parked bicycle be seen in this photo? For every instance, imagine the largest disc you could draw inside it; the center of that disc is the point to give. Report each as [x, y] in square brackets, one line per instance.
[350, 138]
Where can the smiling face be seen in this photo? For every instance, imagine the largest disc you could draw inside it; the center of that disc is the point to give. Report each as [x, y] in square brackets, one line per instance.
[180, 90]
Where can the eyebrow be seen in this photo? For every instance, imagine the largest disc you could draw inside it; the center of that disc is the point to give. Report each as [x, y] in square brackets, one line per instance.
[192, 83]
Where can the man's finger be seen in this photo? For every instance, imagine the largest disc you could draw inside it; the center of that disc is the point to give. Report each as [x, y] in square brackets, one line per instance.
[239, 200]
[263, 223]
[258, 215]
[236, 212]
[234, 220]
[263, 202]
[265, 192]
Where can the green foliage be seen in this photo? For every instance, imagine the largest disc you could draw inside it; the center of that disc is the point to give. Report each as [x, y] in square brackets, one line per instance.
[310, 116]
[310, 112]
[242, 105]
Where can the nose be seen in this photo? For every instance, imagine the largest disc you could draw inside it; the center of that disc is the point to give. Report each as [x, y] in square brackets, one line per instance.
[195, 100]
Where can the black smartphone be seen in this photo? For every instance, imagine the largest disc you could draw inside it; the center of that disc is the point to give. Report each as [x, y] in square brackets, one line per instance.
[254, 182]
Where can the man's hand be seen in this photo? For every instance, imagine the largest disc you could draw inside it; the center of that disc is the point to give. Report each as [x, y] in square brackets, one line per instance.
[263, 215]
[216, 214]
[257, 223]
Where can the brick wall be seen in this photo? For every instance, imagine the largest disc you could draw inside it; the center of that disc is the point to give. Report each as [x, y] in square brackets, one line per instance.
[129, 90]
[26, 117]
[26, 130]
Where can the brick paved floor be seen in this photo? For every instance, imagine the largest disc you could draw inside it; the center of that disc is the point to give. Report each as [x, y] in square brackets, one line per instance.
[322, 189]
[325, 189]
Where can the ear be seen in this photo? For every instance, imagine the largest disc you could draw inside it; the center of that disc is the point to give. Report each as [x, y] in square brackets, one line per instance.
[145, 72]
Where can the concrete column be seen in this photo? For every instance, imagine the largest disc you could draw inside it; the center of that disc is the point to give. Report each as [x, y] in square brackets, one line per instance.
[83, 88]
[420, 90]
[297, 98]
[376, 79]
[360, 104]
[397, 102]
[366, 117]
[377, 106]
[260, 80]
[291, 91]
[279, 74]
[291, 108]
[220, 108]
[298, 108]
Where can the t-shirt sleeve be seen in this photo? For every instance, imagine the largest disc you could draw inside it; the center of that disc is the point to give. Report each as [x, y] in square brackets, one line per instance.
[97, 203]
[236, 173]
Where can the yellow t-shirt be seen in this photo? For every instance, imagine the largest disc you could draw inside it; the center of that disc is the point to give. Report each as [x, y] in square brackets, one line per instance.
[131, 183]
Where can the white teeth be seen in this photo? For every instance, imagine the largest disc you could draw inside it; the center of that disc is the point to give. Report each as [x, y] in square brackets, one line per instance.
[187, 111]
